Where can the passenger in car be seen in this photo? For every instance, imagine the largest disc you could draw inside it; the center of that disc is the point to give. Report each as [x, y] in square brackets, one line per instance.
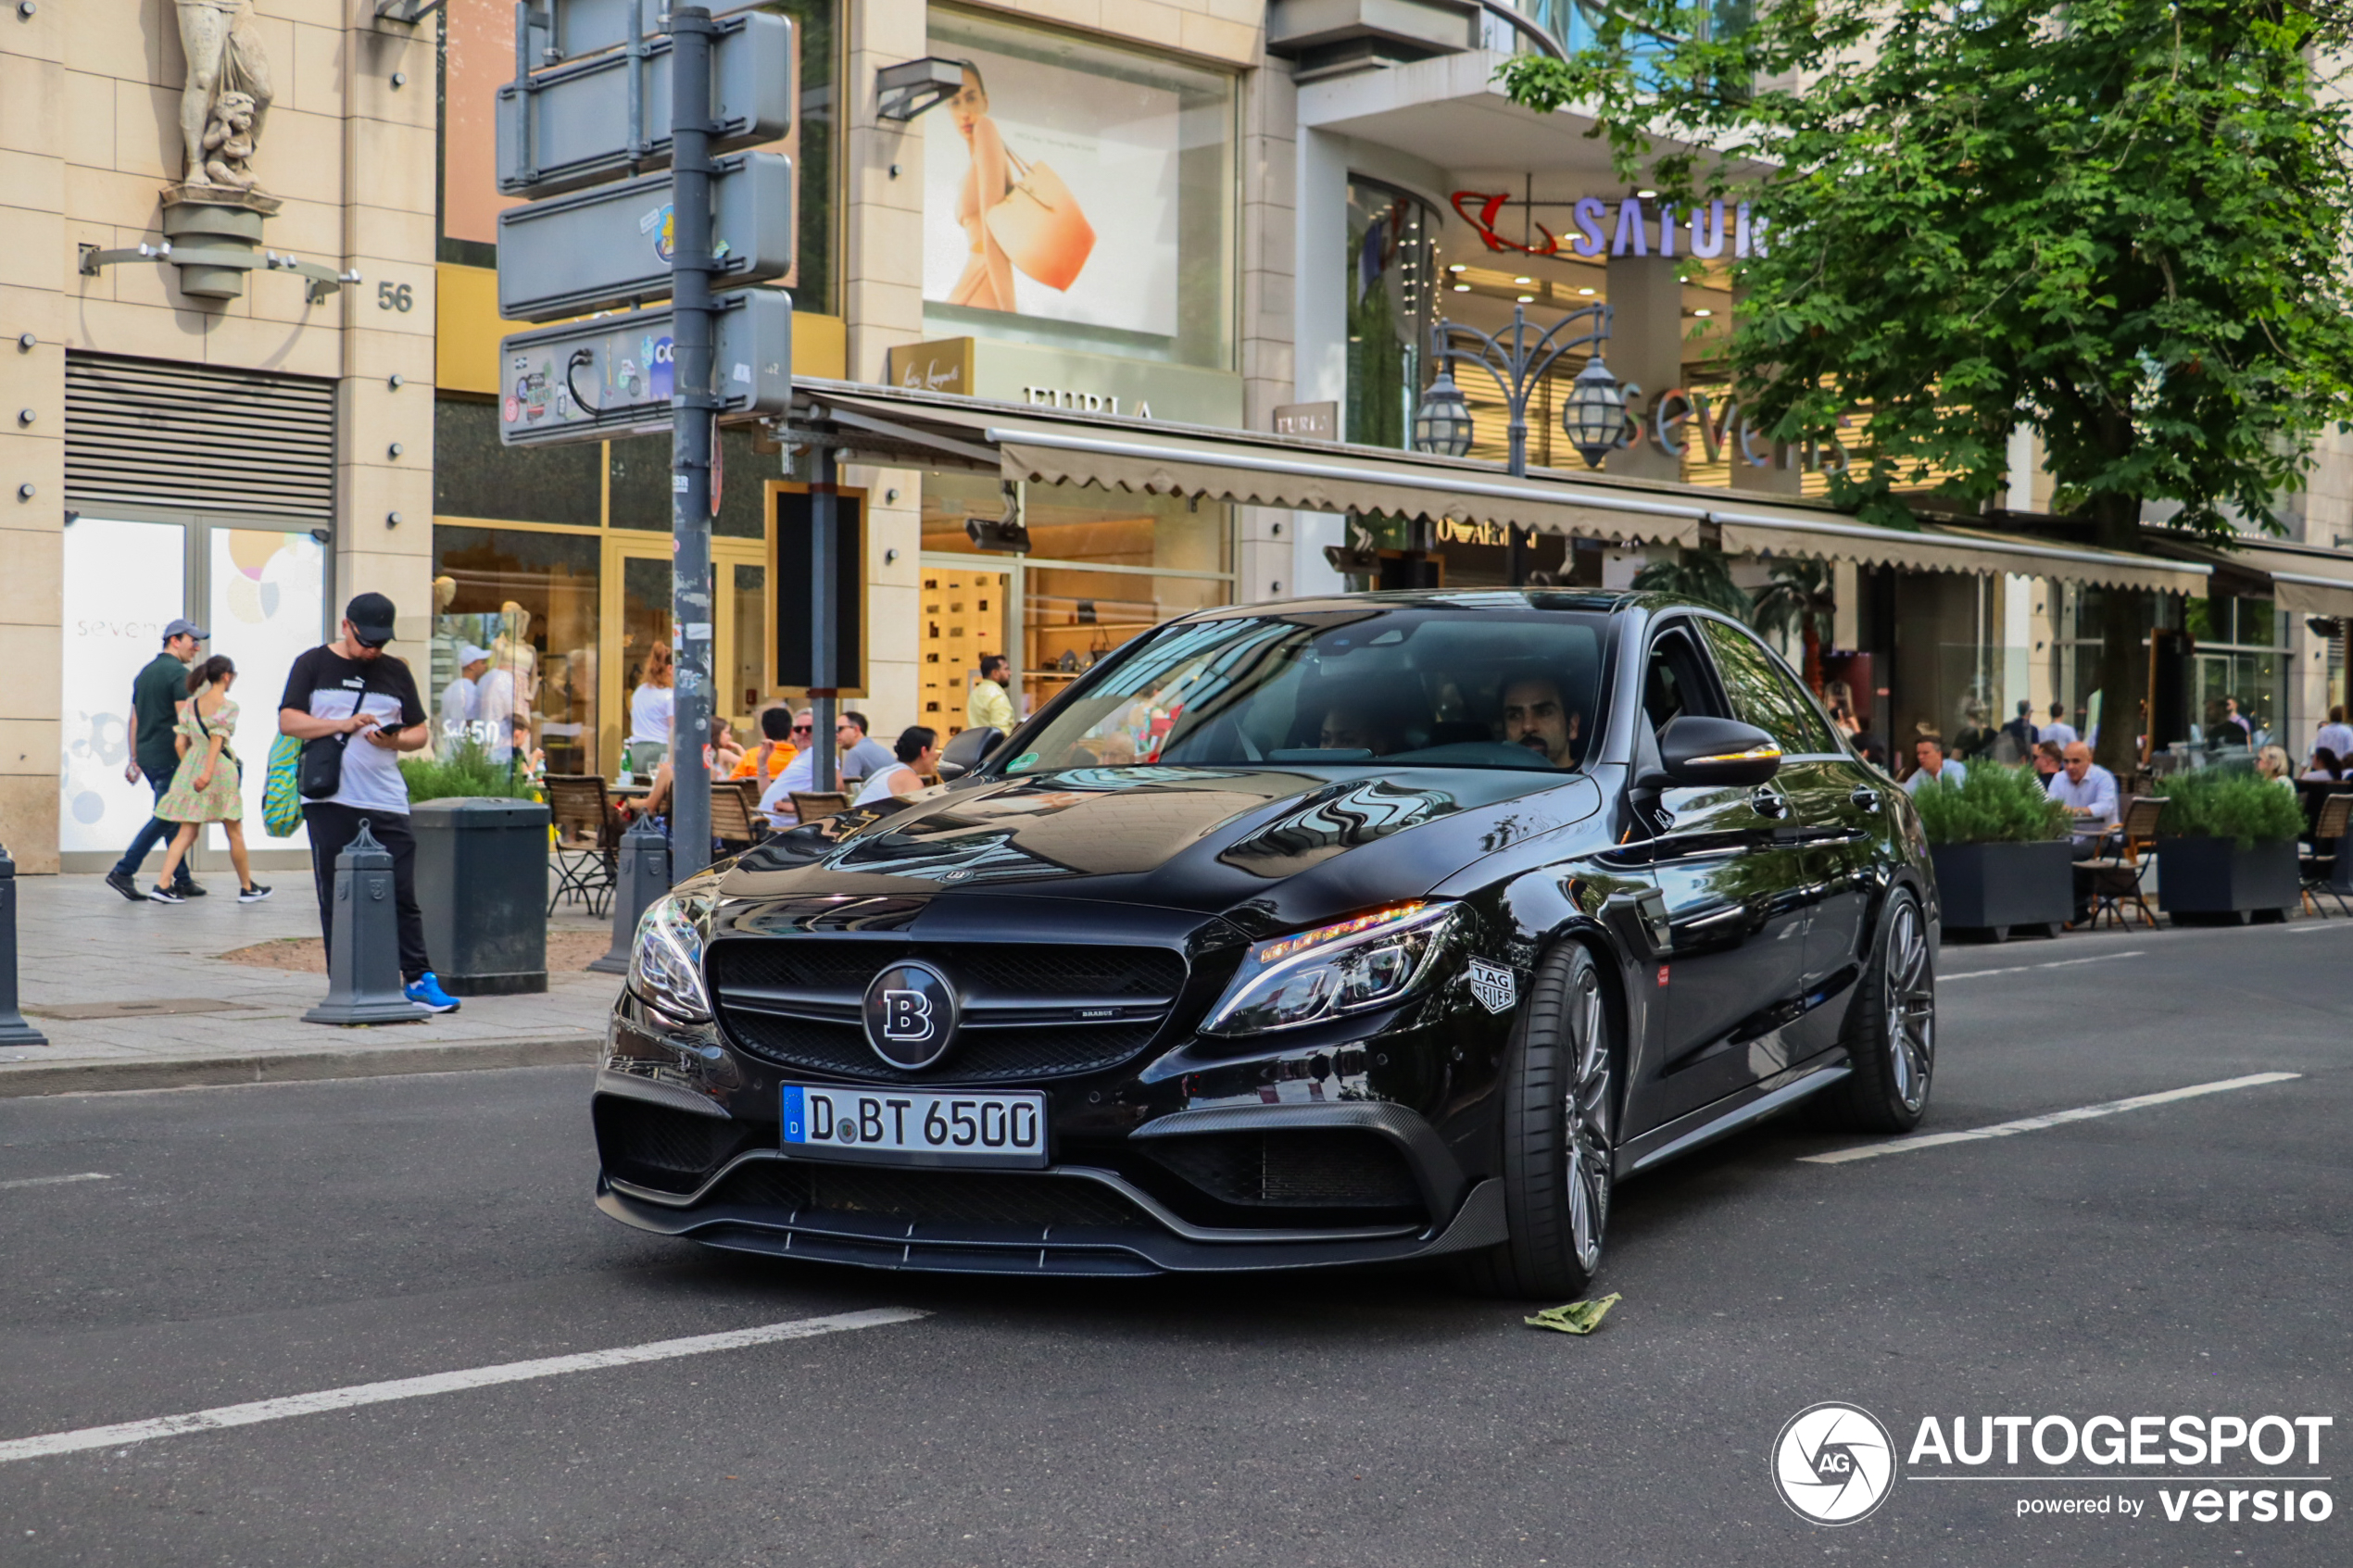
[1347, 728]
[1536, 717]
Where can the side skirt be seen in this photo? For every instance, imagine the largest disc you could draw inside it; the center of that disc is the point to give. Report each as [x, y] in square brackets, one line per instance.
[1729, 1115]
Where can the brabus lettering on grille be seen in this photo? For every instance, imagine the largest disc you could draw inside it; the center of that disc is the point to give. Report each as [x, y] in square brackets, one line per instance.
[1494, 985]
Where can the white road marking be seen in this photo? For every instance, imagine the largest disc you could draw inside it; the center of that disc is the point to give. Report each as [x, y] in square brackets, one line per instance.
[2054, 963]
[2051, 1119]
[57, 1181]
[441, 1383]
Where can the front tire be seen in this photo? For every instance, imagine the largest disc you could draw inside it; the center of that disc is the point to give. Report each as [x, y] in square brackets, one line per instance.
[1893, 1042]
[1560, 1135]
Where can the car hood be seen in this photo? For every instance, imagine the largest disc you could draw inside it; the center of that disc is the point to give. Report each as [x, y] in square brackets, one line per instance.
[1272, 847]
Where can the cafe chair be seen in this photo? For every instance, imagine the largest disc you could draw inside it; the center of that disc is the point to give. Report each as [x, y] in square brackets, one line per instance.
[588, 840]
[2117, 877]
[2317, 868]
[816, 806]
[734, 815]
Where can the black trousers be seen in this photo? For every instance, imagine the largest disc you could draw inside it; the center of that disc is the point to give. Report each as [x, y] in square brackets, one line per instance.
[332, 827]
[2083, 849]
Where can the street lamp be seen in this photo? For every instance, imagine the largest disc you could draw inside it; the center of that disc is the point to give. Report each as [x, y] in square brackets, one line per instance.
[1593, 416]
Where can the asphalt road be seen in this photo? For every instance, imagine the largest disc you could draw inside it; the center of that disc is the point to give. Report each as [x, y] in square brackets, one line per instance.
[258, 1242]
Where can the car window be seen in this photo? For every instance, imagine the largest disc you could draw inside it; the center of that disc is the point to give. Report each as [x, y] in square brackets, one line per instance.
[1674, 682]
[1763, 695]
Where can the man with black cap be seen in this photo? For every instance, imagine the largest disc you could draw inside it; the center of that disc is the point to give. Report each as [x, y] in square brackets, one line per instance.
[156, 695]
[351, 688]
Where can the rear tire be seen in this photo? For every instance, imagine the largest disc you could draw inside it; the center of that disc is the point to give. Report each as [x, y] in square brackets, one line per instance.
[1560, 1136]
[1893, 1043]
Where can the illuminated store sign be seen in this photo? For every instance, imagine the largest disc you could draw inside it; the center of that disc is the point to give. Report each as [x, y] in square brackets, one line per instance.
[1632, 231]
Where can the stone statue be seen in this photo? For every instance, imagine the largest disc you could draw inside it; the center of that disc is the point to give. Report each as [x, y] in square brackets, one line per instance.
[227, 95]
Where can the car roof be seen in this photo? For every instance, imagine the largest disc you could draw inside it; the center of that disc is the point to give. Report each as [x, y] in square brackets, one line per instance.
[1591, 601]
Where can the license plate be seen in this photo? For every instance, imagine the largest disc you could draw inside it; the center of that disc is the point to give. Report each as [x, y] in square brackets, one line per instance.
[914, 1127]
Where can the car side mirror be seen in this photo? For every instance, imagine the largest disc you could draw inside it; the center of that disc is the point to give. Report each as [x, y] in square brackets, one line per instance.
[968, 750]
[1717, 752]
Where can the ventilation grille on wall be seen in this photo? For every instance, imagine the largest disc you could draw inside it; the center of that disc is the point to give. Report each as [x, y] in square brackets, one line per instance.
[155, 433]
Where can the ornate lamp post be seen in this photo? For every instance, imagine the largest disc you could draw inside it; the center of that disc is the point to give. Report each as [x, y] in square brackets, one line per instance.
[1594, 417]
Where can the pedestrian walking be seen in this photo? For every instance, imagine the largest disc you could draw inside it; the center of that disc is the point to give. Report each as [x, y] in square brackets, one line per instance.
[156, 695]
[653, 710]
[208, 784]
[990, 707]
[352, 693]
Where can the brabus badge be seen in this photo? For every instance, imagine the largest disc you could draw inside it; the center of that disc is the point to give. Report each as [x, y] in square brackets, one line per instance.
[1493, 986]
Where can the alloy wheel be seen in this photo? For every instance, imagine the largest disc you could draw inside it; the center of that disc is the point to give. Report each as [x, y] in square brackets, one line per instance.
[1911, 1007]
[1587, 1131]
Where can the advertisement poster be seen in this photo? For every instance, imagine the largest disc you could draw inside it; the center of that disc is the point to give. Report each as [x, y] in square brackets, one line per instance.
[269, 604]
[123, 583]
[1052, 193]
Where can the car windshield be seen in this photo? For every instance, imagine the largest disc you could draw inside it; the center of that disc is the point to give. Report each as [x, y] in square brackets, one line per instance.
[1427, 687]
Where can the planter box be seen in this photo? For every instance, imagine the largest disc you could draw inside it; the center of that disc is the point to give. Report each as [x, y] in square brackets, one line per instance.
[2213, 878]
[1994, 887]
[482, 887]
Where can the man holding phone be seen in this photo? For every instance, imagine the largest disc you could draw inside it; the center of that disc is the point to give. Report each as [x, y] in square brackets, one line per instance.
[353, 689]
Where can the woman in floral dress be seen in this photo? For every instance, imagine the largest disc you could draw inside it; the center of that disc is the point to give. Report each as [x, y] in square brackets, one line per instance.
[206, 788]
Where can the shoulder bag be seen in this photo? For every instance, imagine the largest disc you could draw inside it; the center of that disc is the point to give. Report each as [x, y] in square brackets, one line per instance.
[319, 771]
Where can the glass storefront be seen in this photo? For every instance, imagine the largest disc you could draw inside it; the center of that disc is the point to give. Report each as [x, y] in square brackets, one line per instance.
[529, 601]
[1103, 567]
[1393, 267]
[2241, 658]
[1080, 196]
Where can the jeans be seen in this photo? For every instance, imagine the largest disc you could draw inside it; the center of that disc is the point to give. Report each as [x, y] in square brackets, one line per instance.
[331, 827]
[155, 833]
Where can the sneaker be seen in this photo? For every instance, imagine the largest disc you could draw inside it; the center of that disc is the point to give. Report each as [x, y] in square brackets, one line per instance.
[122, 881]
[162, 895]
[187, 889]
[253, 894]
[426, 993]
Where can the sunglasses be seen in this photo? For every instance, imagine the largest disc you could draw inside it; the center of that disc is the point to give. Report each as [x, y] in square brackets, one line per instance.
[802, 729]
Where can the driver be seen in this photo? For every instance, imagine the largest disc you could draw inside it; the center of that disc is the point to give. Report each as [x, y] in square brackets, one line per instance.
[1535, 717]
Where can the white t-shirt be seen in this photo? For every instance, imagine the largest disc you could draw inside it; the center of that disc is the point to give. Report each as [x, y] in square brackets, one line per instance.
[326, 685]
[776, 799]
[2336, 737]
[878, 783]
[2061, 733]
[651, 711]
[458, 700]
[494, 713]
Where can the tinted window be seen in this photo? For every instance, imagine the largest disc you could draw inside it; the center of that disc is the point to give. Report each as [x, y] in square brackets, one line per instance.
[1423, 687]
[1763, 695]
[1674, 682]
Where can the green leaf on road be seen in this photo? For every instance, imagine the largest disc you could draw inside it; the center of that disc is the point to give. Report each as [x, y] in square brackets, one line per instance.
[1578, 1317]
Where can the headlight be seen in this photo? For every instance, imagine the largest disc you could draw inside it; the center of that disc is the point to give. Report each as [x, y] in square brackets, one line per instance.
[665, 967]
[1358, 964]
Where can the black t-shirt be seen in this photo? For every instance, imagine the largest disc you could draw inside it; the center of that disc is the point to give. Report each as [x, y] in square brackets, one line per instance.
[156, 695]
[326, 685]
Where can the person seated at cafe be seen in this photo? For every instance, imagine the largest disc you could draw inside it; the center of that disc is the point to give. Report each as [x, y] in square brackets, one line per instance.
[2088, 791]
[2049, 759]
[2273, 763]
[726, 749]
[2327, 766]
[1935, 768]
[916, 753]
[1536, 717]
[782, 732]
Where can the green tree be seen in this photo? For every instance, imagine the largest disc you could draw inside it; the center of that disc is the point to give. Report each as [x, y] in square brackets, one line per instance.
[2120, 222]
[1702, 576]
[1800, 597]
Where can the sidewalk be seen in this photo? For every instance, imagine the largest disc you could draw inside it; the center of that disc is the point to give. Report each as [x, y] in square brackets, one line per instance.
[172, 1013]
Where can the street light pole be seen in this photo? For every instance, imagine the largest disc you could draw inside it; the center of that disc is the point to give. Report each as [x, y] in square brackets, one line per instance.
[1519, 360]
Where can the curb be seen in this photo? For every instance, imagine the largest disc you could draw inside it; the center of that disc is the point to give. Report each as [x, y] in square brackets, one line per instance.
[290, 1067]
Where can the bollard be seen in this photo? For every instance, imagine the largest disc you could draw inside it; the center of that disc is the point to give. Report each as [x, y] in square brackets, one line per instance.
[642, 877]
[363, 949]
[14, 1030]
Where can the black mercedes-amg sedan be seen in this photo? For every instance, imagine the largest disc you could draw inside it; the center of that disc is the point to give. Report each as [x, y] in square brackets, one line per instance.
[1352, 929]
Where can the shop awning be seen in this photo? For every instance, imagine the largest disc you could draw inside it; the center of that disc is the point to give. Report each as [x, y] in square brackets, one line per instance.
[2306, 580]
[1152, 458]
[1942, 547]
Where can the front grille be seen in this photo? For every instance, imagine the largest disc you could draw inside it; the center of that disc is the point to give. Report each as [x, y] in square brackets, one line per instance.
[795, 1001]
[1299, 1168]
[954, 1198]
[668, 1151]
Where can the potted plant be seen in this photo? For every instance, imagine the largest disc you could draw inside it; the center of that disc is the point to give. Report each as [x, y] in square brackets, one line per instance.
[2226, 846]
[2000, 845]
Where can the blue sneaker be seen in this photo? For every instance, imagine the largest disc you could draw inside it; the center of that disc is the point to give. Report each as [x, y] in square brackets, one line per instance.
[427, 994]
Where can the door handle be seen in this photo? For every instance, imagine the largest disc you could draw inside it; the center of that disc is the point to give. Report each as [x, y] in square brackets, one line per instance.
[1769, 802]
[1864, 798]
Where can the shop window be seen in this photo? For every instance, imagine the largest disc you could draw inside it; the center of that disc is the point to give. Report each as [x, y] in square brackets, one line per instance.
[1393, 267]
[639, 470]
[1080, 195]
[475, 476]
[526, 601]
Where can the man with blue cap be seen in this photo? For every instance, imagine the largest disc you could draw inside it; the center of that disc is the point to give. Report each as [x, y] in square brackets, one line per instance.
[156, 695]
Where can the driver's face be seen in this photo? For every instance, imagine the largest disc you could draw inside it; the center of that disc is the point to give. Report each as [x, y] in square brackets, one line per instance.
[1535, 717]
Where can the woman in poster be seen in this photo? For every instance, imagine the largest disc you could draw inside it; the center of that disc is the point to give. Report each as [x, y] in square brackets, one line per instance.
[988, 281]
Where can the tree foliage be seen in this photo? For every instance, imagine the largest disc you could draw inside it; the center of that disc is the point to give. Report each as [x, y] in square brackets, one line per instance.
[1701, 574]
[2121, 222]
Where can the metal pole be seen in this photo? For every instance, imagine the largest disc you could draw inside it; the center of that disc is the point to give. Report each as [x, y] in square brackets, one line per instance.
[825, 493]
[693, 434]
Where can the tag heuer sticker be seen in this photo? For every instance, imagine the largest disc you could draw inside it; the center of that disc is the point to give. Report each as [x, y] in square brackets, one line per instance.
[1493, 986]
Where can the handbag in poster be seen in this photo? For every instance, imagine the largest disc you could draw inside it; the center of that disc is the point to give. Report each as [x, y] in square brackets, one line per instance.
[1041, 227]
